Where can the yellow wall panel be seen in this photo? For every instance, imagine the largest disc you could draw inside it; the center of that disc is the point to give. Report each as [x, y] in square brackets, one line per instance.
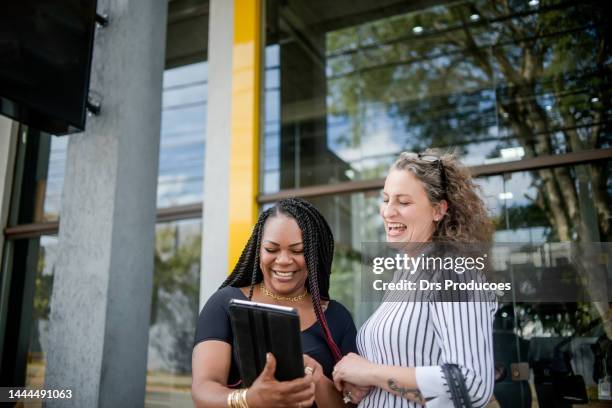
[244, 161]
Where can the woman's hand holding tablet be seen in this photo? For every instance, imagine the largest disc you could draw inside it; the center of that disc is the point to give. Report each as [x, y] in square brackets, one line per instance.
[267, 392]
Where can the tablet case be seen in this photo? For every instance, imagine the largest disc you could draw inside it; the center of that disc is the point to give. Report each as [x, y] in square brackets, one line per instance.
[260, 328]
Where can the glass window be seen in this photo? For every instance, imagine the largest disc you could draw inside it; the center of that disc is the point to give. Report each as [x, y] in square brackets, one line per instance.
[38, 176]
[494, 82]
[44, 251]
[55, 178]
[551, 337]
[552, 204]
[181, 157]
[174, 311]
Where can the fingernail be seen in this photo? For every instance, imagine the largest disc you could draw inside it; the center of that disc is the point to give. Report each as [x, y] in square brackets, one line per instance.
[268, 356]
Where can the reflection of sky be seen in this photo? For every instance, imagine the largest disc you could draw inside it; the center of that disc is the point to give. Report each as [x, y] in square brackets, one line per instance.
[49, 243]
[379, 143]
[519, 184]
[377, 130]
[381, 135]
[271, 131]
[181, 158]
[55, 177]
[522, 235]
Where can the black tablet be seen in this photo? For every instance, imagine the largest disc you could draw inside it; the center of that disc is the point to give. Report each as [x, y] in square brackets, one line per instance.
[260, 328]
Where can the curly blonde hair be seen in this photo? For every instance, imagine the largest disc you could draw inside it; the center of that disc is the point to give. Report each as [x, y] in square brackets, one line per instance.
[466, 219]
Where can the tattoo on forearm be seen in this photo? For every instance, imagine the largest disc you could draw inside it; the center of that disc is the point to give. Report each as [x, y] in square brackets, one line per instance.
[413, 394]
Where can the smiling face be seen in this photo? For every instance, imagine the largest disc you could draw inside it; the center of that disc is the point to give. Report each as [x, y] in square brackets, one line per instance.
[282, 256]
[407, 213]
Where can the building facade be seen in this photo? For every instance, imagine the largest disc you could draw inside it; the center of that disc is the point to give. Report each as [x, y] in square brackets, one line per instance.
[237, 104]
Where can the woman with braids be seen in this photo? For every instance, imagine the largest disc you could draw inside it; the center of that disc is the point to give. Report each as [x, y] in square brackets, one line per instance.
[409, 348]
[287, 262]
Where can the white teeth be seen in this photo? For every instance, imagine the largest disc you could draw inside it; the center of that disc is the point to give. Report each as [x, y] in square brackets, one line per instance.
[284, 274]
[395, 225]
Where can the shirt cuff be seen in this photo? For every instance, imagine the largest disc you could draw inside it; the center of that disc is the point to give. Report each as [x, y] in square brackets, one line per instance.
[431, 381]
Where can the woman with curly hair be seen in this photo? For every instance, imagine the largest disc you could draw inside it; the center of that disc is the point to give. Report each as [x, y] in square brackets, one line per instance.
[407, 347]
[287, 261]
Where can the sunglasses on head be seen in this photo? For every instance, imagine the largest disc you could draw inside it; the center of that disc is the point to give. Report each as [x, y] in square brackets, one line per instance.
[434, 160]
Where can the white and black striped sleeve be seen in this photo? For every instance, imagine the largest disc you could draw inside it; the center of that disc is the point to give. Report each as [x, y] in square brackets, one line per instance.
[464, 332]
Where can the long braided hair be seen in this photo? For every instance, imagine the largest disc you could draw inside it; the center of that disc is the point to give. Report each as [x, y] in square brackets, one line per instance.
[318, 242]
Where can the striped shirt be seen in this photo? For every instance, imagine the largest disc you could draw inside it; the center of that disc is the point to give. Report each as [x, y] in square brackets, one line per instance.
[412, 330]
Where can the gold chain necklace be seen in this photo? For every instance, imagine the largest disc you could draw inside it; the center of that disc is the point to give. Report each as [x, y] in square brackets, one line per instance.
[278, 297]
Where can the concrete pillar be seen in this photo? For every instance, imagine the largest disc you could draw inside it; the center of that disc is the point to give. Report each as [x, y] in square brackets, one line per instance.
[215, 225]
[99, 321]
